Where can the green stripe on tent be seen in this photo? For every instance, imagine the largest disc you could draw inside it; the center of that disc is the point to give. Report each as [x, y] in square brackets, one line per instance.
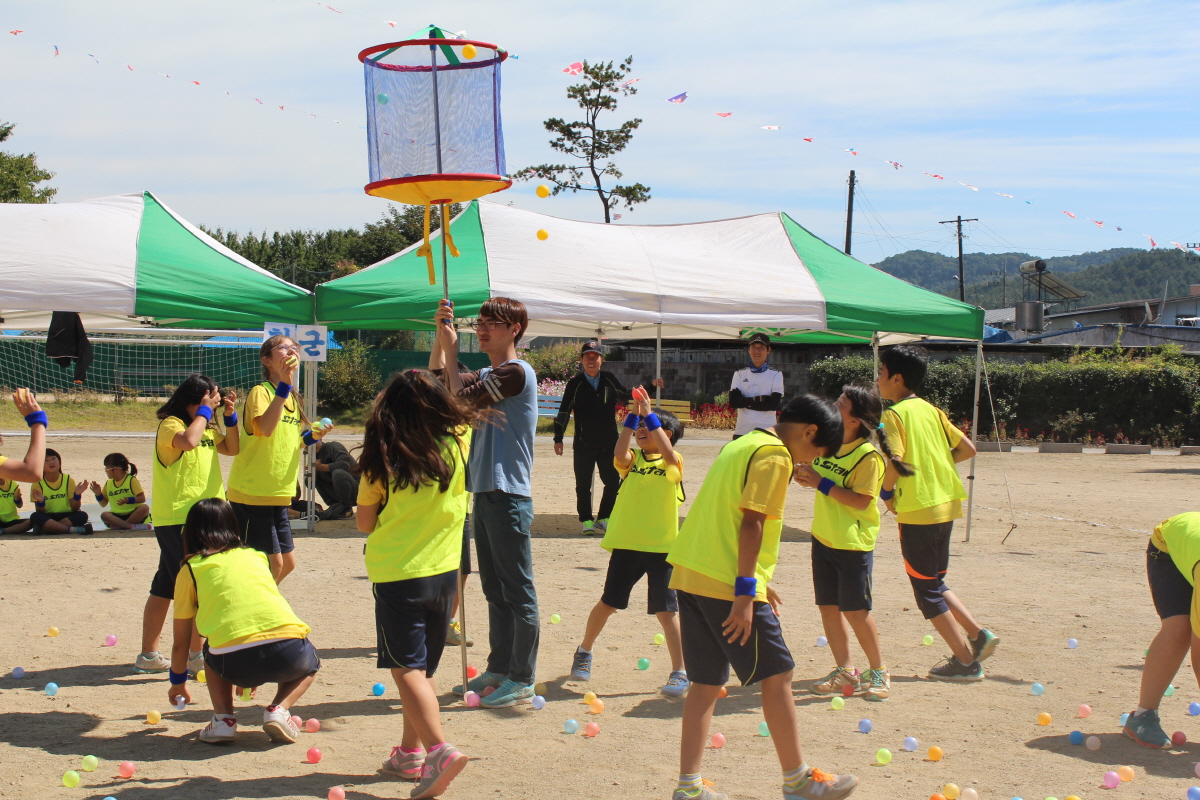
[180, 276]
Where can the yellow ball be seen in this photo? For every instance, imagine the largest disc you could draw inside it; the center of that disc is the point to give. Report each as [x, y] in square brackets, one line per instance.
[543, 234]
[1044, 718]
[1125, 773]
[247, 694]
[935, 753]
[951, 791]
[54, 631]
[469, 51]
[837, 703]
[201, 677]
[70, 779]
[89, 763]
[153, 717]
[543, 191]
[539, 689]
[589, 698]
[1072, 797]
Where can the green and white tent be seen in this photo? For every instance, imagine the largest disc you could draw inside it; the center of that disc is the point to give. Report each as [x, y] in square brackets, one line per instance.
[126, 259]
[720, 279]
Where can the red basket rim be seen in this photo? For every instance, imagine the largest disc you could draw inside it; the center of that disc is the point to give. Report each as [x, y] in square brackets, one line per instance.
[362, 56]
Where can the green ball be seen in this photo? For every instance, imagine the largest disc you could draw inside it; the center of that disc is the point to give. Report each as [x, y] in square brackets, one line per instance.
[838, 703]
[927, 641]
[1170, 691]
[90, 763]
[555, 619]
[643, 663]
[382, 99]
[70, 779]
[883, 756]
[763, 730]
[659, 638]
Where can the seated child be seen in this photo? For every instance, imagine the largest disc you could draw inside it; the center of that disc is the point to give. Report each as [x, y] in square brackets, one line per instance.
[10, 501]
[56, 501]
[124, 492]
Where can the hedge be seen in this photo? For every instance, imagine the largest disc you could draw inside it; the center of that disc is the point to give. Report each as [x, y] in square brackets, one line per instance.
[1092, 397]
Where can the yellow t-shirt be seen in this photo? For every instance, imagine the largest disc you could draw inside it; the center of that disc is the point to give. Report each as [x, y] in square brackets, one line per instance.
[1179, 537]
[183, 477]
[266, 468]
[419, 531]
[58, 497]
[751, 473]
[899, 445]
[8, 501]
[646, 515]
[858, 466]
[234, 599]
[129, 487]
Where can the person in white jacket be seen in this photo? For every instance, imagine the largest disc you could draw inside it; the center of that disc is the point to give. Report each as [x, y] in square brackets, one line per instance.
[757, 390]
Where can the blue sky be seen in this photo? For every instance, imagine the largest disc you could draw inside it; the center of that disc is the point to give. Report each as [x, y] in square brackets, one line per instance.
[1086, 107]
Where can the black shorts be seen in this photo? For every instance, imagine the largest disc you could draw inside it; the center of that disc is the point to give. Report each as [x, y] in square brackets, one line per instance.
[842, 578]
[626, 568]
[412, 618]
[72, 518]
[170, 560]
[708, 653]
[4, 523]
[121, 515]
[926, 551]
[466, 551]
[274, 662]
[1170, 590]
[265, 528]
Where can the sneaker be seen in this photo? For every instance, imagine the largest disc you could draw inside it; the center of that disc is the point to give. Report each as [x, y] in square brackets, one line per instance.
[442, 765]
[983, 645]
[602, 525]
[277, 724]
[509, 693]
[834, 681]
[876, 684]
[818, 785]
[581, 665]
[951, 669]
[406, 765]
[677, 684]
[221, 729]
[84, 530]
[479, 683]
[454, 635]
[195, 663]
[589, 527]
[1146, 730]
[152, 662]
[142, 526]
[705, 792]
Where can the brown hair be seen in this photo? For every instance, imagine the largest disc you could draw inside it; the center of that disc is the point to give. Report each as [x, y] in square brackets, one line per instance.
[412, 430]
[268, 346]
[508, 311]
[867, 406]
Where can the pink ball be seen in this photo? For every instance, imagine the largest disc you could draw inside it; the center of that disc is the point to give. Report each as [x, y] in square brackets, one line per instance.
[592, 729]
[313, 725]
[472, 672]
[1178, 738]
[110, 640]
[1085, 711]
[848, 690]
[718, 740]
[472, 699]
[488, 690]
[337, 793]
[314, 755]
[126, 769]
[1112, 780]
[1197, 770]
[299, 723]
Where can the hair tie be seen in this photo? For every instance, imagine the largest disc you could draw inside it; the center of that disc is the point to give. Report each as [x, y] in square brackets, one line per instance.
[413, 371]
[879, 426]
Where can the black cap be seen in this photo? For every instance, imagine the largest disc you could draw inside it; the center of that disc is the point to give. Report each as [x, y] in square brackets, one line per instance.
[759, 338]
[590, 347]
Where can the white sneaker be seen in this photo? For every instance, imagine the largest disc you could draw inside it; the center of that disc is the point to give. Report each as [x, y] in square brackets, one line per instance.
[277, 724]
[195, 664]
[142, 526]
[152, 662]
[220, 730]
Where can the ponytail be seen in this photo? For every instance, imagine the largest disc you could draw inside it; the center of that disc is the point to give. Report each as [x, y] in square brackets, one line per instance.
[867, 407]
[904, 468]
[119, 461]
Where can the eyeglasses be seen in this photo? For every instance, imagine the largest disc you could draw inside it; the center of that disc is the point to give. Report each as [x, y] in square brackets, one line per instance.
[488, 324]
[287, 348]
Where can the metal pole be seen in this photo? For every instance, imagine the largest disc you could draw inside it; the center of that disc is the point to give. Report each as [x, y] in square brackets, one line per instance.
[437, 115]
[850, 211]
[658, 365]
[974, 437]
[962, 285]
[875, 352]
[310, 452]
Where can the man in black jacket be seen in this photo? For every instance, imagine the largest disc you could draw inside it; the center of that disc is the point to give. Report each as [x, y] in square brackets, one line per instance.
[337, 479]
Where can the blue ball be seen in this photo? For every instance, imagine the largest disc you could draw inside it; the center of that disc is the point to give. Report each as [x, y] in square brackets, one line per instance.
[52, 689]
[864, 725]
[539, 702]
[1076, 737]
[1072, 643]
[910, 743]
[571, 726]
[378, 689]
[1194, 793]
[18, 672]
[1038, 689]
[1193, 709]
[1124, 718]
[822, 641]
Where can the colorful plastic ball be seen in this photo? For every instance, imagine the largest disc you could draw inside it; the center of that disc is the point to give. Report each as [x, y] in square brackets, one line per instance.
[554, 618]
[89, 763]
[468, 51]
[542, 191]
[248, 694]
[927, 640]
[1125, 773]
[937, 796]
[202, 677]
[1193, 709]
[969, 794]
[1044, 718]
[336, 793]
[314, 755]
[472, 672]
[539, 702]
[1071, 797]
[1178, 738]
[589, 697]
[1092, 743]
[596, 706]
[643, 663]
[543, 235]
[52, 632]
[312, 725]
[1038, 689]
[822, 641]
[1170, 691]
[660, 639]
[911, 743]
[935, 753]
[378, 689]
[1124, 718]
[763, 729]
[837, 703]
[1072, 643]
[865, 726]
[472, 699]
[180, 703]
[718, 740]
[70, 779]
[382, 99]
[489, 690]
[723, 692]
[52, 689]
[951, 791]
[540, 688]
[153, 717]
[126, 769]
[110, 640]
[297, 721]
[1075, 737]
[1084, 711]
[1194, 793]
[848, 690]
[1112, 780]
[570, 726]
[18, 672]
[883, 756]
[592, 729]
[1197, 770]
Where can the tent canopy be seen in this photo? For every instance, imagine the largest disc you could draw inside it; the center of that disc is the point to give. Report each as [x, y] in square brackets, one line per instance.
[127, 259]
[720, 279]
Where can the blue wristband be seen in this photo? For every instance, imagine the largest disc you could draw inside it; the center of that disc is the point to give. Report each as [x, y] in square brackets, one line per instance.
[825, 485]
[632, 421]
[887, 494]
[20, 501]
[178, 678]
[36, 418]
[99, 498]
[309, 439]
[77, 497]
[652, 422]
[39, 503]
[231, 420]
[745, 587]
[204, 411]
[283, 390]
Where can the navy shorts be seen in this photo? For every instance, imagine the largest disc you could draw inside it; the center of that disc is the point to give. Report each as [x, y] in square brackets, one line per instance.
[842, 578]
[708, 653]
[626, 568]
[1170, 590]
[926, 551]
[282, 661]
[72, 518]
[170, 560]
[412, 618]
[265, 528]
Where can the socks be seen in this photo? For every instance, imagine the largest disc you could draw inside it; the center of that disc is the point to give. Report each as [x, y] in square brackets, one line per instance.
[1140, 711]
[413, 751]
[795, 779]
[689, 784]
[581, 650]
[192, 656]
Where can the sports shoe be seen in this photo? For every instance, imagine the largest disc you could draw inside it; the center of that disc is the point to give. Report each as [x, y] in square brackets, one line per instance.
[509, 693]
[152, 662]
[818, 785]
[84, 530]
[983, 645]
[602, 525]
[195, 663]
[442, 765]
[406, 765]
[834, 681]
[479, 683]
[677, 684]
[1146, 730]
[876, 684]
[951, 669]
[277, 724]
[221, 729]
[705, 792]
[454, 635]
[589, 527]
[581, 665]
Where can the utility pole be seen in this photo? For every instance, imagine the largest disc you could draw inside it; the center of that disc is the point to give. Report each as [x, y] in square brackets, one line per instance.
[962, 285]
[849, 211]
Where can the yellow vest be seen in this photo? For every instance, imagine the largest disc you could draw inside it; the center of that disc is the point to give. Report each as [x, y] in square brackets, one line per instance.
[115, 491]
[925, 447]
[419, 533]
[838, 525]
[236, 597]
[708, 541]
[58, 500]
[266, 467]
[8, 501]
[194, 476]
[1179, 536]
[646, 516]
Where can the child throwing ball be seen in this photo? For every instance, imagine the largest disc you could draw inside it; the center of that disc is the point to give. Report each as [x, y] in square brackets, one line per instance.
[122, 494]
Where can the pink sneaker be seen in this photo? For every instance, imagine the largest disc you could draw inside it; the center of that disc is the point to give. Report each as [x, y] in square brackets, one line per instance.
[406, 765]
[442, 765]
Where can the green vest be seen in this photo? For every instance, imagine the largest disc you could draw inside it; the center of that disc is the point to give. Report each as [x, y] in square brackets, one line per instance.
[1181, 534]
[708, 541]
[8, 502]
[925, 447]
[58, 501]
[194, 476]
[236, 596]
[646, 516]
[838, 525]
[268, 466]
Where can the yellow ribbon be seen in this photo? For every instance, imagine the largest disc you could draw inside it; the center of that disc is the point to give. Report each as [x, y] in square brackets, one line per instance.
[426, 249]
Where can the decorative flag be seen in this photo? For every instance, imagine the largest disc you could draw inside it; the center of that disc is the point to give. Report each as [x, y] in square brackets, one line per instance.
[1181, 247]
[197, 83]
[56, 51]
[772, 127]
[616, 216]
[1069, 214]
[281, 108]
[389, 23]
[969, 186]
[679, 98]
[629, 82]
[1002, 194]
[1118, 227]
[851, 151]
[260, 102]
[724, 113]
[1151, 238]
[334, 10]
[939, 177]
[14, 33]
[1099, 223]
[575, 68]
[93, 58]
[895, 164]
[807, 139]
[129, 67]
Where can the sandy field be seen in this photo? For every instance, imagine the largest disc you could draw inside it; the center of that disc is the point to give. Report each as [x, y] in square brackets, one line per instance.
[1073, 568]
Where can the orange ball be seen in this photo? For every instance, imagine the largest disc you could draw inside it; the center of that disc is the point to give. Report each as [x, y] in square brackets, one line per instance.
[937, 796]
[597, 706]
[935, 753]
[723, 692]
[1044, 718]
[1125, 773]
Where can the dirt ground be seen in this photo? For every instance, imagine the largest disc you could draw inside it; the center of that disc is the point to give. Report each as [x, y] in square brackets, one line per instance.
[1073, 568]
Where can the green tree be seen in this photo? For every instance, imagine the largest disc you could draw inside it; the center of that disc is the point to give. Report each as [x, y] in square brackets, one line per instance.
[20, 175]
[587, 142]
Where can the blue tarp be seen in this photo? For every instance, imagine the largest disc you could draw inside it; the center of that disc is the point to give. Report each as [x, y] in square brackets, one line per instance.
[995, 335]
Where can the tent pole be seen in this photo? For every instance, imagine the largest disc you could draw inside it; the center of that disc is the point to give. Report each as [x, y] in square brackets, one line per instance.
[875, 352]
[974, 436]
[658, 364]
[310, 452]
